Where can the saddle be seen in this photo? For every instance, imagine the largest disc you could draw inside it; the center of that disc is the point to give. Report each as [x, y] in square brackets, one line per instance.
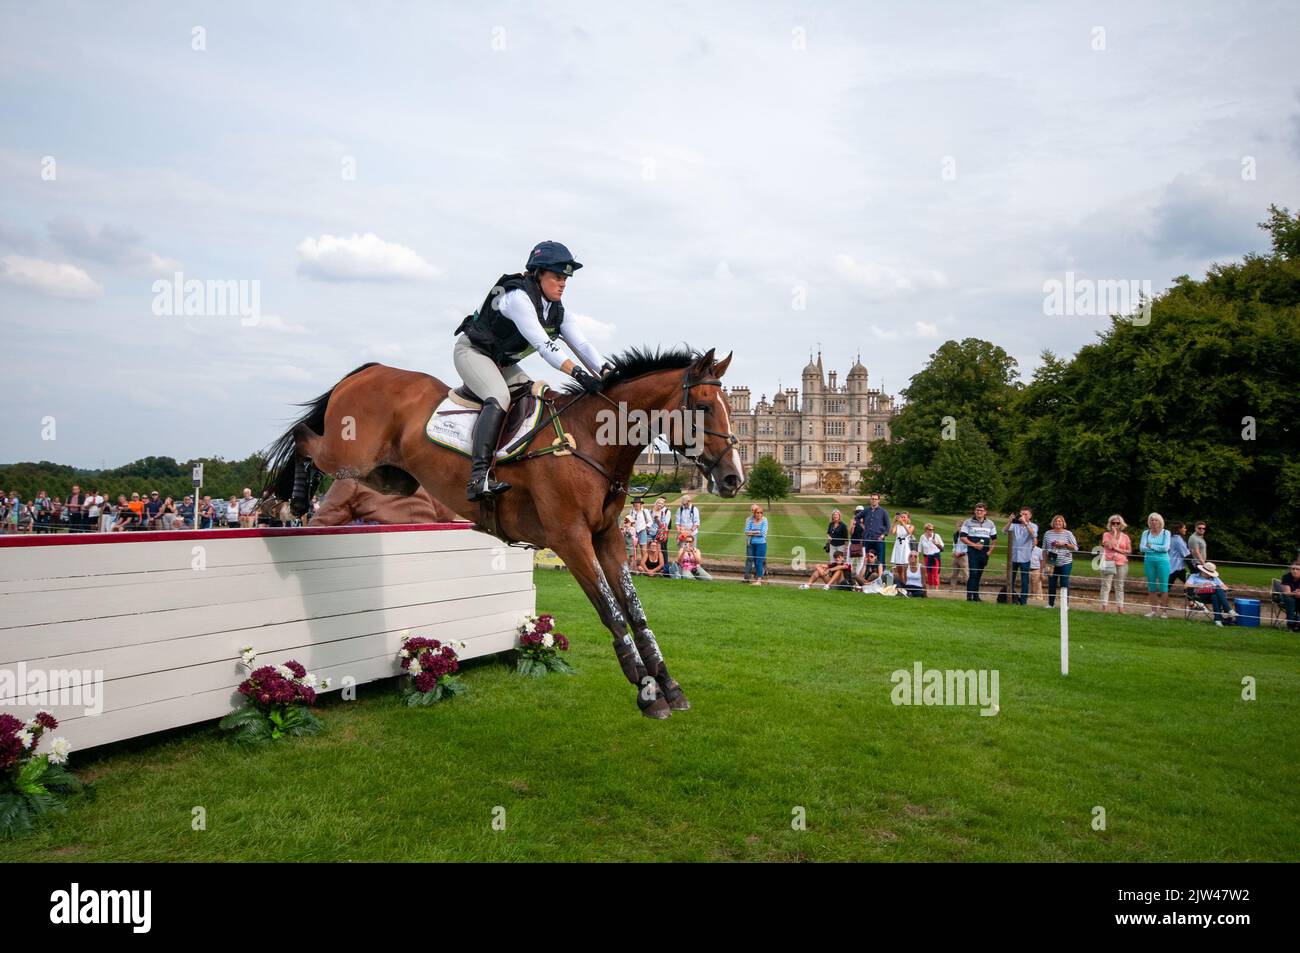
[524, 397]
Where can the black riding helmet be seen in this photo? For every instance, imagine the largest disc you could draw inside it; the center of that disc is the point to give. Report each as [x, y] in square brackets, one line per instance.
[551, 256]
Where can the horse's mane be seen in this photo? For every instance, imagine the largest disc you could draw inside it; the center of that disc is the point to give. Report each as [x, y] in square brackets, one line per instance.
[636, 361]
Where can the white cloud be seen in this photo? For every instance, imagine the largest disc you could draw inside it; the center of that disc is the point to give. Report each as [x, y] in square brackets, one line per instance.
[362, 258]
[883, 334]
[924, 329]
[108, 245]
[598, 331]
[882, 280]
[274, 322]
[56, 279]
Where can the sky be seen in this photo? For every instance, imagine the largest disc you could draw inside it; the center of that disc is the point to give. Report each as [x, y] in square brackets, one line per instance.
[763, 178]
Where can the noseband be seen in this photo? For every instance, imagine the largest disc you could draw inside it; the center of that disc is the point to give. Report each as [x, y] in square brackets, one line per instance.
[701, 459]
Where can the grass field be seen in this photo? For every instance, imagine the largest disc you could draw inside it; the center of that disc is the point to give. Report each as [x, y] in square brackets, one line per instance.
[801, 522]
[791, 692]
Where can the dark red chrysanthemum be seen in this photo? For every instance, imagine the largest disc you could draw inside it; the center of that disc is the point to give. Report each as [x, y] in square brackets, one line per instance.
[46, 720]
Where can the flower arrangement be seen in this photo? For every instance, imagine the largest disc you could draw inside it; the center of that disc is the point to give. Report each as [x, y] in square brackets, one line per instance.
[31, 784]
[540, 647]
[430, 669]
[276, 700]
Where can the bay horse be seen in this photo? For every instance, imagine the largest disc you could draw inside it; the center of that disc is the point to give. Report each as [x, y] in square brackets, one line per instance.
[371, 427]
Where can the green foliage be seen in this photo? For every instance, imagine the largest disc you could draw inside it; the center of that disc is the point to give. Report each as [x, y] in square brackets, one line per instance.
[963, 472]
[532, 667]
[1193, 415]
[250, 726]
[39, 788]
[966, 388]
[447, 686]
[766, 481]
[667, 480]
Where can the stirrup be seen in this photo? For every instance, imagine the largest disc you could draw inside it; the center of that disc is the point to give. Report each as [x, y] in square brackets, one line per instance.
[487, 487]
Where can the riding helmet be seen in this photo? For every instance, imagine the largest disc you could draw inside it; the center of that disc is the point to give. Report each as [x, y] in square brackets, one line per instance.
[551, 256]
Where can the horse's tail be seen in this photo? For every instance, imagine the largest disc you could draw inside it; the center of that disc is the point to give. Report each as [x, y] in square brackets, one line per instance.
[280, 459]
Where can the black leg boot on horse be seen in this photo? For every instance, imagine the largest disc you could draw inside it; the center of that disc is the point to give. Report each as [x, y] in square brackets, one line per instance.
[483, 446]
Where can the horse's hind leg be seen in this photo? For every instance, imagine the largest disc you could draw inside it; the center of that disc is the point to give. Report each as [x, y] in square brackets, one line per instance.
[613, 559]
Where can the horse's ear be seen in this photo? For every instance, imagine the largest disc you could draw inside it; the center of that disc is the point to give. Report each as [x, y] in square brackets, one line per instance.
[703, 364]
[720, 367]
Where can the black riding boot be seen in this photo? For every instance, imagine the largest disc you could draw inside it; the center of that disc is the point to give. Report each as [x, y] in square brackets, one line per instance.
[487, 430]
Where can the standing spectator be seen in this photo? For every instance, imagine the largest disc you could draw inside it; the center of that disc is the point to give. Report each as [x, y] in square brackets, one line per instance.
[1060, 545]
[74, 508]
[1196, 543]
[629, 538]
[641, 527]
[1291, 595]
[1205, 580]
[875, 520]
[960, 558]
[663, 521]
[42, 507]
[107, 516]
[1036, 569]
[168, 513]
[837, 536]
[1178, 553]
[903, 532]
[980, 534]
[208, 514]
[1154, 545]
[856, 531]
[94, 503]
[247, 510]
[153, 511]
[13, 512]
[1115, 550]
[756, 545]
[1022, 533]
[231, 513]
[688, 518]
[930, 546]
[57, 515]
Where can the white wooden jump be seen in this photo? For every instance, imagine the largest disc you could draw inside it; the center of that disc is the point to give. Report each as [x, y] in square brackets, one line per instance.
[163, 615]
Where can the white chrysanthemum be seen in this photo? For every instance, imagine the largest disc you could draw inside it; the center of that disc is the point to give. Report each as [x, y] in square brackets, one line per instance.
[59, 750]
[548, 640]
[405, 653]
[25, 736]
[415, 667]
[285, 671]
[406, 635]
[310, 680]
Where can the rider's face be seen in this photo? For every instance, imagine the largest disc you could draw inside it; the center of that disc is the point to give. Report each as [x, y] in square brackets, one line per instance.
[552, 285]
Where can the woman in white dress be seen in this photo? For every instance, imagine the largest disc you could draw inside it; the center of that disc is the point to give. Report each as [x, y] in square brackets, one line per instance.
[903, 534]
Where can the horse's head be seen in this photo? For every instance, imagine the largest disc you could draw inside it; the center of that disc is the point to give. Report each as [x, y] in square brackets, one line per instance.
[715, 450]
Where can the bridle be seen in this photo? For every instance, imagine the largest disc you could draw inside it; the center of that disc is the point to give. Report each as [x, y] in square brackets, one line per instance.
[701, 459]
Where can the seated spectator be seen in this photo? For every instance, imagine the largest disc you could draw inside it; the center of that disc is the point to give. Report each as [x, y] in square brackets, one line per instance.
[153, 511]
[186, 511]
[913, 578]
[874, 575]
[1290, 596]
[688, 558]
[833, 573]
[168, 513]
[652, 560]
[1205, 582]
[127, 519]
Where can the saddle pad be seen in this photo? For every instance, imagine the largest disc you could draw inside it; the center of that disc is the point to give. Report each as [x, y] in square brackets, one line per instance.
[452, 426]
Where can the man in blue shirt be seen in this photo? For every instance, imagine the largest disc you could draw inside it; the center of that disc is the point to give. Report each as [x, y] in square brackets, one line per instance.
[1023, 532]
[875, 527]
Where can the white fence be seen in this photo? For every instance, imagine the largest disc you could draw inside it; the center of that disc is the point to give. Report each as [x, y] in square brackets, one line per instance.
[163, 615]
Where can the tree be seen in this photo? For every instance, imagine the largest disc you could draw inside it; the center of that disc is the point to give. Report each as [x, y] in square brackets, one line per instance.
[767, 481]
[967, 385]
[964, 472]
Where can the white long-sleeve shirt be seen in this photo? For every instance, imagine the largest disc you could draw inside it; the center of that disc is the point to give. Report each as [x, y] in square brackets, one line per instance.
[516, 306]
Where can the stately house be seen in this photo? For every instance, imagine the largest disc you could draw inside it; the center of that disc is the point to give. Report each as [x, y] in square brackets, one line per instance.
[821, 438]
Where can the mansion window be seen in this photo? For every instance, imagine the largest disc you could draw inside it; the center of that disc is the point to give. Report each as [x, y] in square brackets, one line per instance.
[744, 453]
[765, 427]
[875, 402]
[880, 431]
[834, 454]
[835, 428]
[788, 430]
[788, 454]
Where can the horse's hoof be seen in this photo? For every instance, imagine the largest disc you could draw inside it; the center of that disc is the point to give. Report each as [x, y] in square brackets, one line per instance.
[657, 709]
[680, 703]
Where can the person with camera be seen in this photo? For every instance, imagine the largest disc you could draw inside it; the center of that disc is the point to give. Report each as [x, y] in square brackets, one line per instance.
[1023, 533]
[1059, 547]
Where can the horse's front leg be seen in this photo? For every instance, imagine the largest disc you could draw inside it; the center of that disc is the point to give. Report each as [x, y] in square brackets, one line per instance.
[613, 559]
[579, 556]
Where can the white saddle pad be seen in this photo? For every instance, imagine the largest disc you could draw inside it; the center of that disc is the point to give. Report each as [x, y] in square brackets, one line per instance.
[452, 426]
